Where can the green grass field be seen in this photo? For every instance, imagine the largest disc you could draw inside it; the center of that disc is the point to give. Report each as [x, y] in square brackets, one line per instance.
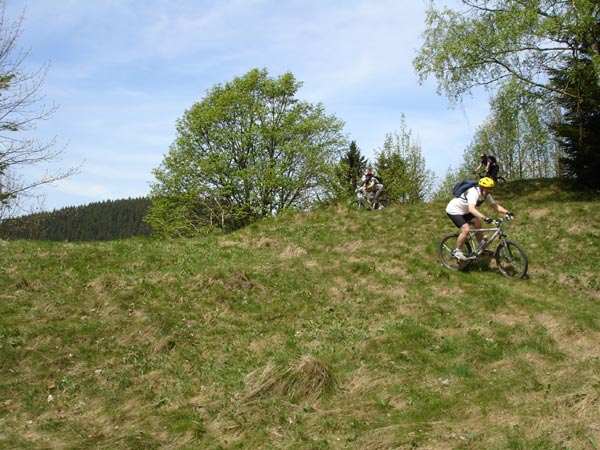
[334, 329]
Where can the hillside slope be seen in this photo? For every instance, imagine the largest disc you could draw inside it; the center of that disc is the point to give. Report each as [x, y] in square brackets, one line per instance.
[334, 329]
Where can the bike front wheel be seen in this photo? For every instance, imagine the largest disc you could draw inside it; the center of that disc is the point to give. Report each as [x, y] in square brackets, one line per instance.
[511, 260]
[446, 248]
[356, 204]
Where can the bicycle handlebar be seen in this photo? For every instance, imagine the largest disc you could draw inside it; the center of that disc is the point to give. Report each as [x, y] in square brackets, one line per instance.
[506, 218]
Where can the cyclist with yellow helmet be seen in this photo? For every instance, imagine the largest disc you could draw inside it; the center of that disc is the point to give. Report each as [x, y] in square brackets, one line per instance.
[463, 212]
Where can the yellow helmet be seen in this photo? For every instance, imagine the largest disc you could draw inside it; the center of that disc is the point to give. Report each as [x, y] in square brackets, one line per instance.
[486, 182]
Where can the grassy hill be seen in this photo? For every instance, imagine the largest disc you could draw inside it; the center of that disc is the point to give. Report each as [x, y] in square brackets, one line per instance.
[334, 329]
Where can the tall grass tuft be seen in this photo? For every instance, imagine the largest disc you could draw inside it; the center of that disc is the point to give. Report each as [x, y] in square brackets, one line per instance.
[303, 378]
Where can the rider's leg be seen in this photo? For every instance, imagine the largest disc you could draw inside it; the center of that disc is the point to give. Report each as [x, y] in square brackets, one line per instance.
[477, 224]
[463, 223]
[462, 237]
[378, 193]
[371, 198]
[493, 173]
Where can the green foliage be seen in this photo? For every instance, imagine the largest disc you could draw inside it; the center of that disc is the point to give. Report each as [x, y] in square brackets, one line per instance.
[5, 195]
[496, 39]
[524, 45]
[350, 170]
[516, 133]
[100, 221]
[579, 130]
[451, 177]
[248, 150]
[402, 167]
[6, 80]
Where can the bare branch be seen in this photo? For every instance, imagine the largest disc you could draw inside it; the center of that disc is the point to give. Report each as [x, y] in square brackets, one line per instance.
[22, 107]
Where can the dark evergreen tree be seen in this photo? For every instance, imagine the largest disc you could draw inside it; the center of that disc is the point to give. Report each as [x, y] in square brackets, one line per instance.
[101, 221]
[351, 168]
[578, 131]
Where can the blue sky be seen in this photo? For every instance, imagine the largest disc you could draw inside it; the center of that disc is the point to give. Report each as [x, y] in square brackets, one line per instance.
[123, 71]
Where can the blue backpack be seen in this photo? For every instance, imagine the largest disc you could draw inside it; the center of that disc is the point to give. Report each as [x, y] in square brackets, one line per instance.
[460, 187]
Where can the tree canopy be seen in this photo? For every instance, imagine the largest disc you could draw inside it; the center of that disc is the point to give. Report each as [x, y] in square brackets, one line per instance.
[99, 221]
[349, 171]
[516, 134]
[249, 149]
[491, 40]
[402, 166]
[578, 131]
[550, 49]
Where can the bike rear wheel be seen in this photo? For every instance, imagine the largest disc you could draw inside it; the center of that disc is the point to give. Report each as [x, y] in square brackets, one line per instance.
[446, 248]
[511, 260]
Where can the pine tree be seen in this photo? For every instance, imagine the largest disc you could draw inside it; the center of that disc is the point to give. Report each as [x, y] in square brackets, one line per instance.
[351, 168]
[578, 131]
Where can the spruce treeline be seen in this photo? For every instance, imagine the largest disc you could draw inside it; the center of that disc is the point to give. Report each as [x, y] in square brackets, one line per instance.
[101, 221]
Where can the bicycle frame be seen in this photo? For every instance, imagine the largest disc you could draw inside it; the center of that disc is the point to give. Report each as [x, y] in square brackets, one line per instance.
[498, 233]
[511, 259]
[499, 178]
[364, 199]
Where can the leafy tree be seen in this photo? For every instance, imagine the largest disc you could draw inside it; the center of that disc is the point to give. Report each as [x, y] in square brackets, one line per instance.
[516, 134]
[248, 150]
[350, 170]
[21, 108]
[492, 40]
[579, 131]
[402, 167]
[444, 188]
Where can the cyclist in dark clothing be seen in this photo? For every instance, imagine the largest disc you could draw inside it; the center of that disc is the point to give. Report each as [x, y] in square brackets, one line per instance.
[491, 166]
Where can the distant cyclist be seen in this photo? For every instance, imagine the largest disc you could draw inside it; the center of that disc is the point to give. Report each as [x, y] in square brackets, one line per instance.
[374, 186]
[463, 212]
[491, 166]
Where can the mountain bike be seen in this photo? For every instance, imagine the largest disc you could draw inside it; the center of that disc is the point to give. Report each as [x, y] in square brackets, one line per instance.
[364, 200]
[511, 259]
[497, 178]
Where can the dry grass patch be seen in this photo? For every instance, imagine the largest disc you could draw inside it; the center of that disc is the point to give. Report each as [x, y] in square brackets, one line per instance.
[310, 263]
[349, 248]
[397, 271]
[251, 242]
[451, 291]
[365, 381]
[539, 213]
[293, 251]
[265, 344]
[512, 318]
[305, 377]
[264, 243]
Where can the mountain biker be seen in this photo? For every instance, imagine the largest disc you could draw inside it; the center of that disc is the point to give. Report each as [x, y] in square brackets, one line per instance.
[491, 166]
[374, 186]
[463, 212]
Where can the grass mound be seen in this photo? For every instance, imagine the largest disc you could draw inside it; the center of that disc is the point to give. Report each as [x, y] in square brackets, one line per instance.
[305, 378]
